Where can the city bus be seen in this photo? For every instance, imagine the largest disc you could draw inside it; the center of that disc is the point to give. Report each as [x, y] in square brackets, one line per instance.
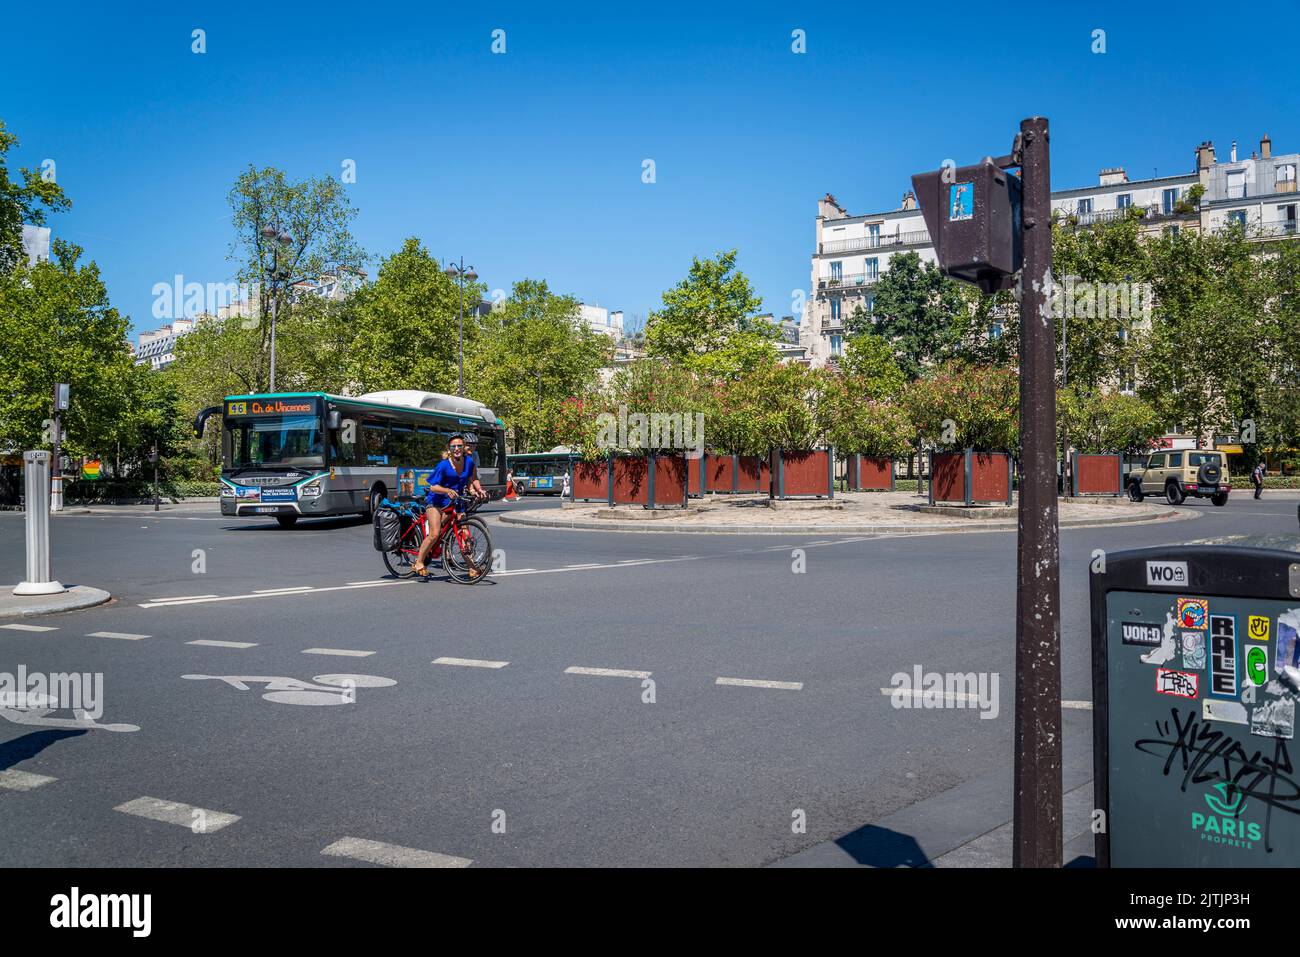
[303, 454]
[540, 473]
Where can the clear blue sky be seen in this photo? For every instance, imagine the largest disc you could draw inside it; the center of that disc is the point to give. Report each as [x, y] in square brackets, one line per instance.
[529, 163]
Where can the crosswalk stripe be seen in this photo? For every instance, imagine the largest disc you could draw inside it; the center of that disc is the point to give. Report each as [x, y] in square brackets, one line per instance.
[470, 662]
[391, 855]
[761, 683]
[343, 652]
[199, 820]
[223, 644]
[30, 627]
[606, 672]
[126, 636]
[13, 780]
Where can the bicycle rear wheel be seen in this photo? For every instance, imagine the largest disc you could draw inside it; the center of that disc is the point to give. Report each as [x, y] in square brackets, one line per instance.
[467, 557]
[401, 560]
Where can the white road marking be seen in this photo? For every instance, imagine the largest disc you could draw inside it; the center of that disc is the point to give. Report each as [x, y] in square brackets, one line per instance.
[391, 855]
[1077, 705]
[199, 820]
[918, 695]
[760, 683]
[470, 662]
[182, 598]
[11, 780]
[279, 591]
[30, 627]
[574, 568]
[277, 594]
[126, 636]
[223, 644]
[606, 672]
[343, 652]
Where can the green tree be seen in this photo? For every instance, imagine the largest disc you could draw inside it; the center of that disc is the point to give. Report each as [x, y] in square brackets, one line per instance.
[959, 406]
[916, 310]
[22, 202]
[1106, 421]
[869, 362]
[406, 325]
[709, 321]
[532, 353]
[317, 214]
[855, 423]
[57, 325]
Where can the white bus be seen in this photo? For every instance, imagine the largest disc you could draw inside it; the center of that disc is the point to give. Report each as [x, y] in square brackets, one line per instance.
[302, 454]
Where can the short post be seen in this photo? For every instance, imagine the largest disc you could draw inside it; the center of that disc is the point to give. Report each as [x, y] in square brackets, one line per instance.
[36, 478]
[153, 455]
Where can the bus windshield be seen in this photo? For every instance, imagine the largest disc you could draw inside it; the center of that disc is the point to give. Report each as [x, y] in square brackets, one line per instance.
[295, 440]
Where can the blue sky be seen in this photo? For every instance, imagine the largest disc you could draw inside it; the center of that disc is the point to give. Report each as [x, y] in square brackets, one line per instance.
[529, 163]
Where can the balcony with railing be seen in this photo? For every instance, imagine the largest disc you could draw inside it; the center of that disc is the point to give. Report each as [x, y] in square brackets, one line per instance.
[831, 284]
[1285, 229]
[897, 240]
[1153, 212]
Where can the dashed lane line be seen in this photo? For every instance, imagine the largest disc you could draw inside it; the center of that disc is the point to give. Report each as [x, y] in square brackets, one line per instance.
[606, 672]
[13, 780]
[213, 643]
[124, 635]
[198, 820]
[30, 627]
[391, 855]
[470, 662]
[279, 591]
[342, 652]
[761, 683]
[181, 598]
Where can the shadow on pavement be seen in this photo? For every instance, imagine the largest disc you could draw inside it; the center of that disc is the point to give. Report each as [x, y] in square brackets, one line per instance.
[880, 847]
[30, 745]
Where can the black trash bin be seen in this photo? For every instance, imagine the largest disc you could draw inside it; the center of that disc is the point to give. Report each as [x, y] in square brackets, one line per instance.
[1196, 672]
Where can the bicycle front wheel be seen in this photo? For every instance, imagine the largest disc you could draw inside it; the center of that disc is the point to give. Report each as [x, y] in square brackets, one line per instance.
[467, 552]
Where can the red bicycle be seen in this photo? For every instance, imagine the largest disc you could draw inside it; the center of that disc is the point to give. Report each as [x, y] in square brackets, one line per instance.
[463, 544]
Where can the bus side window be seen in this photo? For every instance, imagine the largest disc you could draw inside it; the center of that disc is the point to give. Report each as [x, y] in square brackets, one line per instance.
[374, 439]
[344, 443]
[432, 443]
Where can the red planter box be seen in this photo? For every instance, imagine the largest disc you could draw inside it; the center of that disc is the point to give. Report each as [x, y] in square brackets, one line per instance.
[720, 473]
[803, 474]
[670, 473]
[631, 480]
[590, 481]
[754, 474]
[654, 481]
[970, 478]
[695, 471]
[1096, 475]
[870, 473]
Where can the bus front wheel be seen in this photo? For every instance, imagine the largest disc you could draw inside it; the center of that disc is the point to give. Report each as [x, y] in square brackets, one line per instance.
[378, 493]
[287, 521]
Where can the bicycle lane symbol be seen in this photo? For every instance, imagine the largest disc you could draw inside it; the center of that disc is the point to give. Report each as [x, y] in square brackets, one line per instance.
[328, 690]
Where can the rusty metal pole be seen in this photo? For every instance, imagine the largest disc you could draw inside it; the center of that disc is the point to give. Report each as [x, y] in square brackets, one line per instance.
[1037, 779]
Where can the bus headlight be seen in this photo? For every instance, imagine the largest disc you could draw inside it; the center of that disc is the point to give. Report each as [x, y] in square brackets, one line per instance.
[310, 490]
[227, 491]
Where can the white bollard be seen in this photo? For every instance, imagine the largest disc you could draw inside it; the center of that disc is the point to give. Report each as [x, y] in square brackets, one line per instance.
[36, 477]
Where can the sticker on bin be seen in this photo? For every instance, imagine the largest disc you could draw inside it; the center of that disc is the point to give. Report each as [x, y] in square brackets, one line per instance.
[1192, 612]
[1180, 684]
[1167, 573]
[1141, 633]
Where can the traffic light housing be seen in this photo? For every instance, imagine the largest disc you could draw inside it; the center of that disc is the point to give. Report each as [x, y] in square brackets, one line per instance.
[973, 215]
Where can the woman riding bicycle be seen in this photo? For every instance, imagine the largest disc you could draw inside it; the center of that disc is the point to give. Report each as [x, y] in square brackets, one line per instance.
[454, 476]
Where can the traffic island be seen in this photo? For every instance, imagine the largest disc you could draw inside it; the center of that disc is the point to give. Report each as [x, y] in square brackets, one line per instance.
[27, 606]
[849, 513]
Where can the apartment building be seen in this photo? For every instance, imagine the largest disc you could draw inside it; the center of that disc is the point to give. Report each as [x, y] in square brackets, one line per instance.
[600, 319]
[851, 253]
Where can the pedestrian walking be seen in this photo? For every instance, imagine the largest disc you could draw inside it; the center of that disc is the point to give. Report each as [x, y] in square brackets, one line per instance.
[1257, 478]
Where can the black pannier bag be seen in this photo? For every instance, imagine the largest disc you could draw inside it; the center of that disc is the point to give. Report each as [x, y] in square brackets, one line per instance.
[388, 529]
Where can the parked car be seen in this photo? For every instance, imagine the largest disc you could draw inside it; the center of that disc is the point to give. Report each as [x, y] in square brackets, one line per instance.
[1198, 473]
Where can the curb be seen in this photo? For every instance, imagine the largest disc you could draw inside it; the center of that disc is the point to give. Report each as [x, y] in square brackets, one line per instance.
[76, 597]
[1000, 525]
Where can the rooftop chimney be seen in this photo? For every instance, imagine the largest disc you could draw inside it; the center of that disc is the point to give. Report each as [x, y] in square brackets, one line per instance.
[1204, 160]
[1113, 175]
[909, 200]
[1265, 147]
[829, 208]
[1232, 157]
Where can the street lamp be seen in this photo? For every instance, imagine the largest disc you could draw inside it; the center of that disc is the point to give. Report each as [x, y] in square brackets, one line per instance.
[279, 239]
[461, 275]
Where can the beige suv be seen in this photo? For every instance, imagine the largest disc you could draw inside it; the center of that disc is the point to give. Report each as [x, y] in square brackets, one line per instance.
[1180, 473]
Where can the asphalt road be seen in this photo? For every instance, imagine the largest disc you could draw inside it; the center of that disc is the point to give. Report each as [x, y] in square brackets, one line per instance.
[523, 763]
